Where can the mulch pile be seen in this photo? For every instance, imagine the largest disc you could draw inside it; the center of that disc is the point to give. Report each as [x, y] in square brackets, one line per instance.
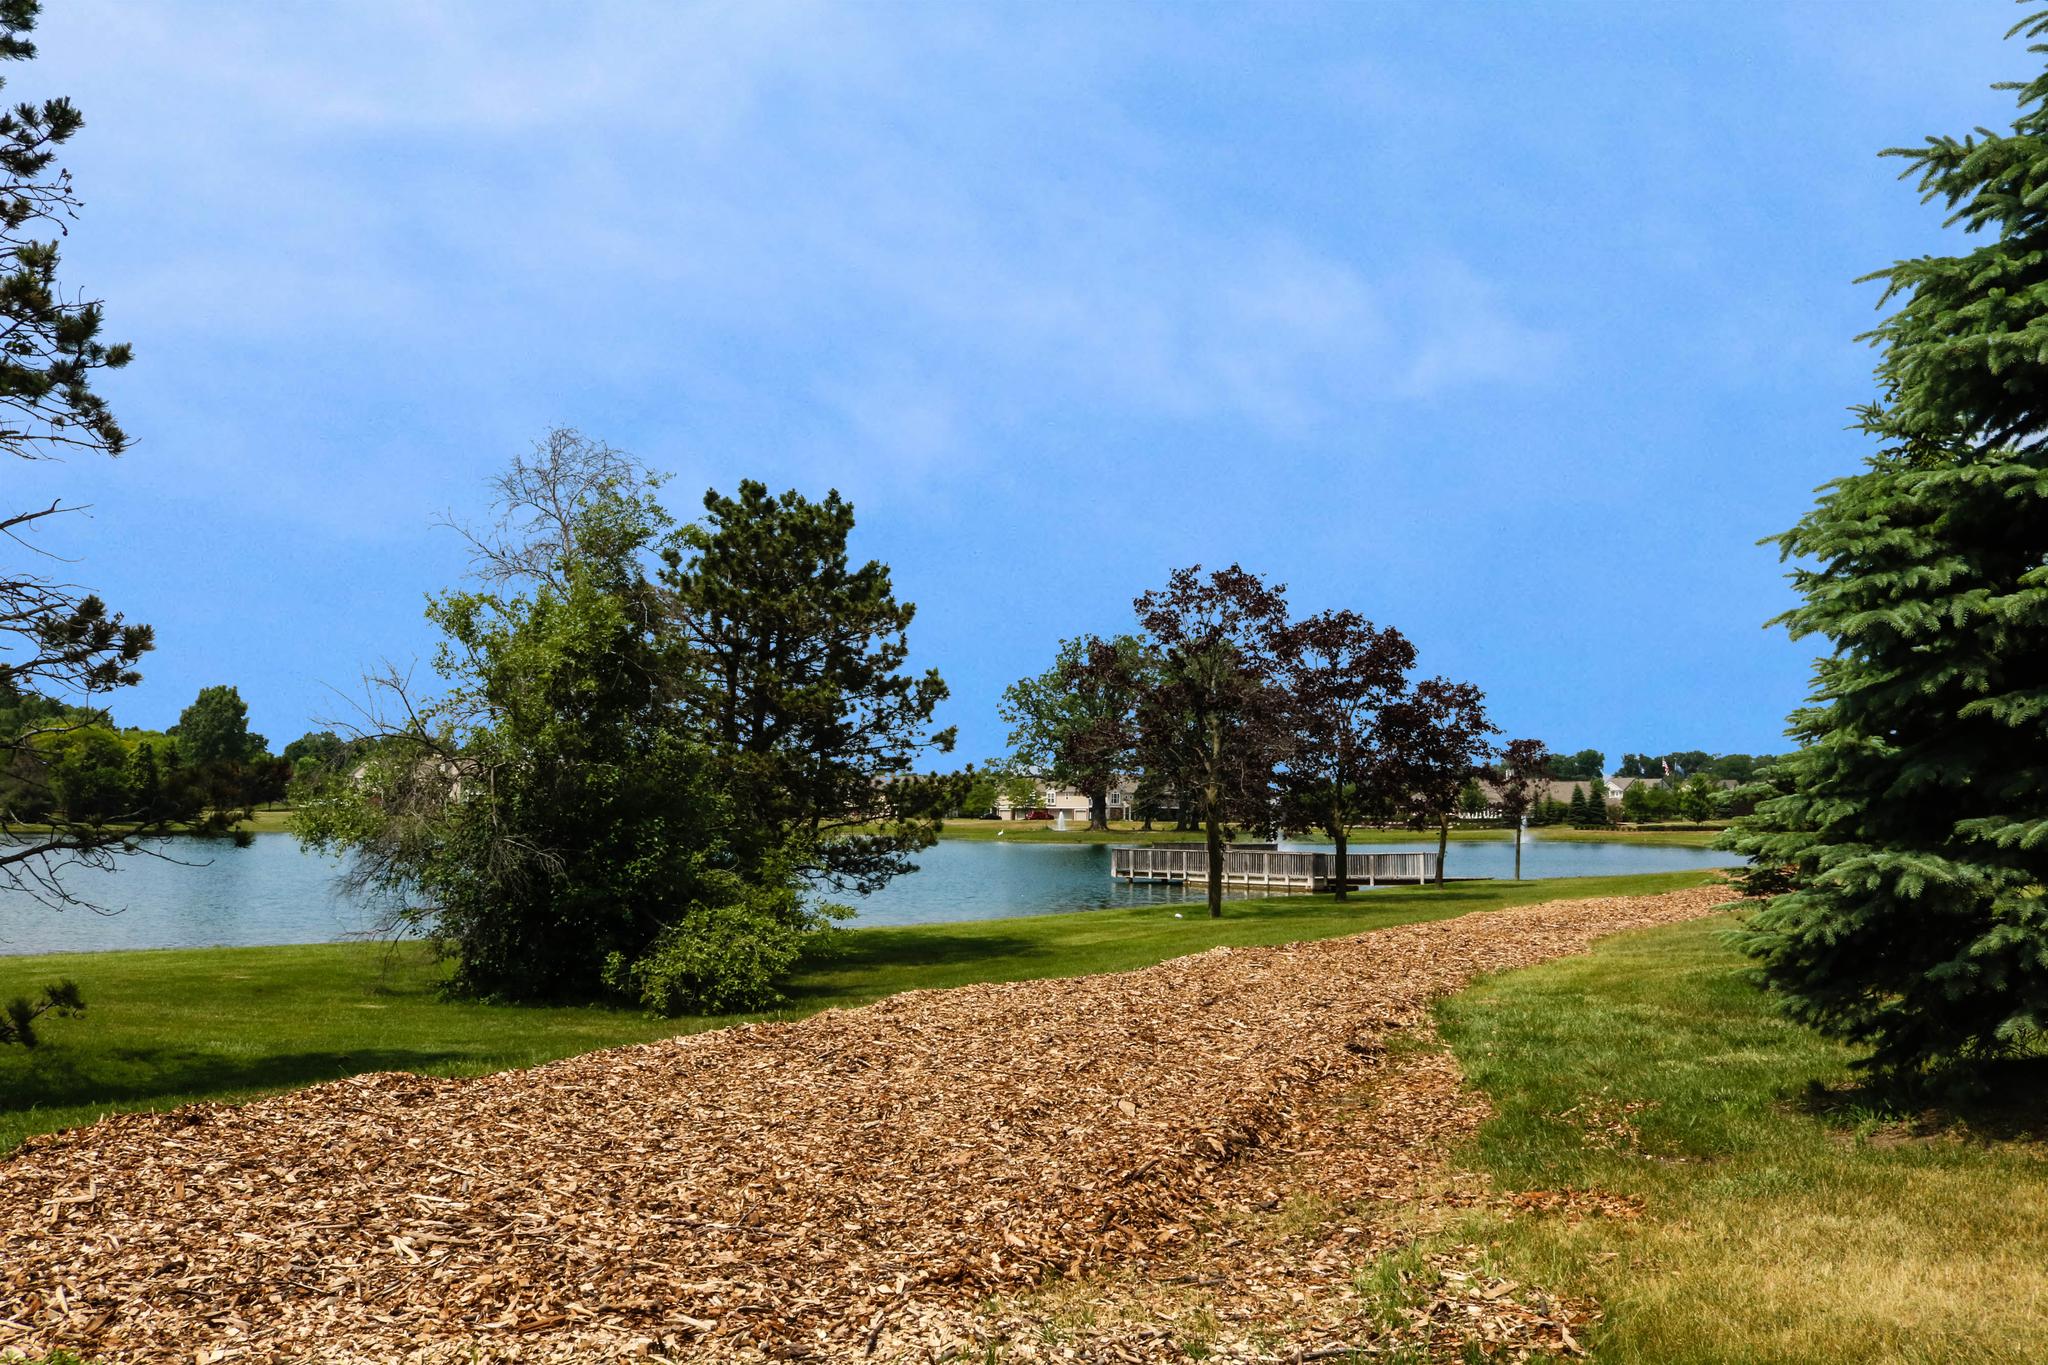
[830, 1189]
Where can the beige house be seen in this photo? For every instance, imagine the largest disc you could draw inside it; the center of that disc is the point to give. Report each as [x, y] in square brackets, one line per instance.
[1052, 802]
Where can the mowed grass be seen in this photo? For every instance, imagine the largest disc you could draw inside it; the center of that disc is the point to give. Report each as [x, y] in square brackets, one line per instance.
[266, 820]
[172, 1027]
[1787, 1218]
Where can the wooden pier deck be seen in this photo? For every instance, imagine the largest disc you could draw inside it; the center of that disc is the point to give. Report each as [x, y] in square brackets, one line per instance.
[1268, 868]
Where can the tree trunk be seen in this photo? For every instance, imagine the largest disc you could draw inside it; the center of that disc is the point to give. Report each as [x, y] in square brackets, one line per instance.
[1212, 816]
[1338, 832]
[1098, 810]
[1214, 831]
[1443, 845]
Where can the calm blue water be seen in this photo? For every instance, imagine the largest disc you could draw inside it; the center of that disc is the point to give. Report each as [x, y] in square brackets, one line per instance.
[273, 892]
[962, 879]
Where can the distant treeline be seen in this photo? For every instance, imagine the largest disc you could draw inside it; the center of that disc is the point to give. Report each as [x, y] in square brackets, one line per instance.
[74, 764]
[1587, 764]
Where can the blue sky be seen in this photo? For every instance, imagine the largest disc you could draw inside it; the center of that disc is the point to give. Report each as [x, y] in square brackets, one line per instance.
[1513, 326]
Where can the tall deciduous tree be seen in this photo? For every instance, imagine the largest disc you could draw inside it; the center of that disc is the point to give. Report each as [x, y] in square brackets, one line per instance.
[795, 676]
[1436, 740]
[1338, 672]
[1524, 772]
[215, 728]
[1579, 766]
[549, 816]
[1211, 714]
[1076, 722]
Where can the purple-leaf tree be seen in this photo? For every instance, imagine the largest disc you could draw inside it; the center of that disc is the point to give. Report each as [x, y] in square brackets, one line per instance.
[1339, 672]
[1524, 767]
[1435, 741]
[1210, 711]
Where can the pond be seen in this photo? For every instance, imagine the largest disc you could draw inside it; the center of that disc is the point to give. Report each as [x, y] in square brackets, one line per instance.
[209, 894]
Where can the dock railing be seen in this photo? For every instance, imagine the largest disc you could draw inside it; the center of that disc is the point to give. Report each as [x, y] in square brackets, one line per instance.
[1274, 869]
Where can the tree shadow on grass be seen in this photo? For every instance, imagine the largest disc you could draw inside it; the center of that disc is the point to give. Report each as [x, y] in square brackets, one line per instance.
[127, 1076]
[2008, 1104]
[883, 950]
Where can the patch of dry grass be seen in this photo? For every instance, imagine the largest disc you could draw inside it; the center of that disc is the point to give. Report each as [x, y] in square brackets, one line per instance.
[1783, 1221]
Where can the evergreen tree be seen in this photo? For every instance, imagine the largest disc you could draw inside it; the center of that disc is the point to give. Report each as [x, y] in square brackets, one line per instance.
[1596, 802]
[61, 650]
[1913, 819]
[1576, 812]
[792, 668]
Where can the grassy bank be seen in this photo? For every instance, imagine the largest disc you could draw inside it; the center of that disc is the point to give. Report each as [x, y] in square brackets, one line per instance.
[166, 1028]
[1781, 1223]
[267, 820]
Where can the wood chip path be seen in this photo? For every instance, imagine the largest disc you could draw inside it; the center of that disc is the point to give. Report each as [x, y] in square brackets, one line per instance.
[811, 1190]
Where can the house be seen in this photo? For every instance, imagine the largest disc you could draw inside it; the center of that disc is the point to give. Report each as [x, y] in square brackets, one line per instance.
[1560, 788]
[1051, 802]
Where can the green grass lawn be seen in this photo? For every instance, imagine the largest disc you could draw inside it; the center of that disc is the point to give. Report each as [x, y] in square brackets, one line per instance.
[1783, 1223]
[166, 1028]
[267, 820]
[1665, 838]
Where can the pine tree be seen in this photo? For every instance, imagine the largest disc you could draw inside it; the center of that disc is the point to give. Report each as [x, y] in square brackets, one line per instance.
[1577, 810]
[1596, 802]
[795, 672]
[1911, 848]
[61, 649]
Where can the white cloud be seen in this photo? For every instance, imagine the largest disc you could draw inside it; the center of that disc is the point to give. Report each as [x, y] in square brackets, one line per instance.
[911, 220]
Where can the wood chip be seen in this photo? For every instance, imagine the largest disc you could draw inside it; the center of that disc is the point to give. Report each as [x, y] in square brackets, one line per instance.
[824, 1189]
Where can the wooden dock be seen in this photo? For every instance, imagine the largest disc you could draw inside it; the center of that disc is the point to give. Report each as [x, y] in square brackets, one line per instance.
[1268, 868]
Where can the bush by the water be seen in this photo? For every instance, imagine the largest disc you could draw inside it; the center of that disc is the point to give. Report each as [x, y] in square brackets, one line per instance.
[725, 958]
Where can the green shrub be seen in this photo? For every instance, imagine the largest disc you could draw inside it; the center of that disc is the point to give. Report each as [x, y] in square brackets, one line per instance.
[720, 959]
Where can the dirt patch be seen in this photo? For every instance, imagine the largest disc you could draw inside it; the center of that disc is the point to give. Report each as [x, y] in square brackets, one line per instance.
[831, 1189]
